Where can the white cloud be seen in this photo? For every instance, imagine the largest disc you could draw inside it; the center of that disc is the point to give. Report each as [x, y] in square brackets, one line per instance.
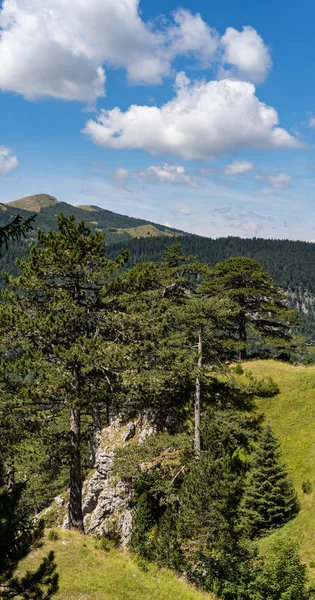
[183, 210]
[238, 167]
[121, 174]
[246, 51]
[280, 181]
[193, 36]
[311, 122]
[58, 48]
[203, 120]
[167, 174]
[8, 160]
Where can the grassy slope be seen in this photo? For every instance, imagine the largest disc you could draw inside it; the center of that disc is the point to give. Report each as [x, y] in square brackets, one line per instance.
[292, 417]
[88, 573]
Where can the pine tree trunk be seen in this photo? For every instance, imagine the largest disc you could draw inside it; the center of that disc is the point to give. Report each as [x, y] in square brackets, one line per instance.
[75, 503]
[242, 334]
[197, 441]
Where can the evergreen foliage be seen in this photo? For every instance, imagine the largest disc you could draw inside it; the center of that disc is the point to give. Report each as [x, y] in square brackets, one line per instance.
[213, 487]
[18, 532]
[269, 499]
[80, 334]
[280, 575]
[262, 308]
[56, 315]
[142, 525]
[15, 229]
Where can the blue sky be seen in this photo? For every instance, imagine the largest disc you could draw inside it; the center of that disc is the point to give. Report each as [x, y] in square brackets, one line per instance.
[197, 115]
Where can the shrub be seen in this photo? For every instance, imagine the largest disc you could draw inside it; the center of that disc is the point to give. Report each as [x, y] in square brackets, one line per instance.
[307, 486]
[281, 575]
[53, 535]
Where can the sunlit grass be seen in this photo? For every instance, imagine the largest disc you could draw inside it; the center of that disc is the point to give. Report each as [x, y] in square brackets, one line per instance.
[86, 572]
[292, 416]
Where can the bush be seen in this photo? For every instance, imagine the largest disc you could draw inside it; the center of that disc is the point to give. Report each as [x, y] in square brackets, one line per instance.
[227, 571]
[143, 522]
[53, 535]
[109, 542]
[239, 369]
[281, 575]
[167, 551]
[307, 486]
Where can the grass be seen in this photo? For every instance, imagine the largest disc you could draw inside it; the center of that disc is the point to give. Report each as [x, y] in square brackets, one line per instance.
[145, 231]
[34, 203]
[291, 414]
[86, 572]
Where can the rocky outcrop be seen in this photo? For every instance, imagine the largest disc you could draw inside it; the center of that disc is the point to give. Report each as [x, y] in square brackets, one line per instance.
[106, 499]
[302, 301]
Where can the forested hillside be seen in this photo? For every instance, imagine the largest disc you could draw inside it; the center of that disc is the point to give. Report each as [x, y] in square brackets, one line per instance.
[185, 473]
[289, 263]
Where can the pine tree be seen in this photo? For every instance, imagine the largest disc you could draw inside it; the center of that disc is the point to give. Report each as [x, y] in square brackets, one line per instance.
[262, 308]
[143, 522]
[269, 500]
[57, 317]
[204, 319]
[17, 534]
[18, 531]
[213, 486]
[15, 230]
[280, 574]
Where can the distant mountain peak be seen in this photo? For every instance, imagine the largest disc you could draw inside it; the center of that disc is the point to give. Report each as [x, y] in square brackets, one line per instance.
[34, 203]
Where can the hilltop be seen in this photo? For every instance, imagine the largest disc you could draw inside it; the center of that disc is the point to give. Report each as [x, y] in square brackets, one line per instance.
[116, 227]
[34, 203]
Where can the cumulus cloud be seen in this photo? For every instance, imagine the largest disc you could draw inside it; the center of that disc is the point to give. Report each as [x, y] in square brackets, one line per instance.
[167, 174]
[121, 174]
[311, 122]
[203, 120]
[58, 48]
[193, 36]
[8, 160]
[238, 167]
[246, 51]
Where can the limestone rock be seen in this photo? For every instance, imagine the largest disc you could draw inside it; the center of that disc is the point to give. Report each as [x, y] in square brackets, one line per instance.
[106, 499]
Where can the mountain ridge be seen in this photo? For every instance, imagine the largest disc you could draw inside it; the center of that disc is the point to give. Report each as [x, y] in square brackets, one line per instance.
[289, 263]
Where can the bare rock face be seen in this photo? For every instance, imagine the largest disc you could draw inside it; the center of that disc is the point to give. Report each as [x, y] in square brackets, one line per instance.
[106, 500]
